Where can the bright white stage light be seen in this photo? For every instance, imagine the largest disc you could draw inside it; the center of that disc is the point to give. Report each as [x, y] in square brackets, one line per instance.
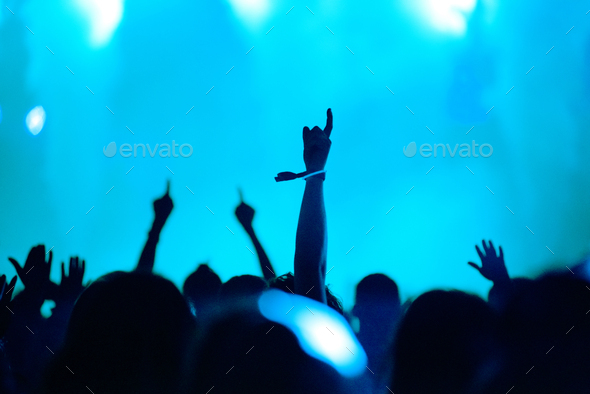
[35, 120]
[104, 17]
[322, 332]
[251, 12]
[449, 16]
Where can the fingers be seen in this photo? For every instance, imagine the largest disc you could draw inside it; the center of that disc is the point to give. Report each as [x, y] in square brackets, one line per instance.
[50, 259]
[82, 270]
[501, 253]
[37, 255]
[475, 266]
[168, 187]
[492, 246]
[306, 134]
[240, 194]
[485, 247]
[479, 253]
[328, 128]
[16, 266]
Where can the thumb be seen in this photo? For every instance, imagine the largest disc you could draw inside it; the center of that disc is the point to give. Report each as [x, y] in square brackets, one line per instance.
[16, 266]
[475, 266]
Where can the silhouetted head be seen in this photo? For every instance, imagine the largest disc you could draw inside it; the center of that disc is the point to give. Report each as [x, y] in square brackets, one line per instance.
[377, 299]
[444, 344]
[546, 324]
[201, 287]
[240, 351]
[128, 333]
[242, 286]
[286, 283]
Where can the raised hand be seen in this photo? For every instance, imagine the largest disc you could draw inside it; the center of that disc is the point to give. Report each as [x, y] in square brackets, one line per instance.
[35, 273]
[245, 215]
[492, 264]
[162, 208]
[6, 290]
[316, 145]
[70, 286]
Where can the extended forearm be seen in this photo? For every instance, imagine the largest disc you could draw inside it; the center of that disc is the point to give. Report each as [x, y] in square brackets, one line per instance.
[267, 270]
[148, 255]
[311, 243]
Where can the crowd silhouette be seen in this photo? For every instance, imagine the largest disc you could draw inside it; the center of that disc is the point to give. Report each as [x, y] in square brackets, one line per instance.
[136, 332]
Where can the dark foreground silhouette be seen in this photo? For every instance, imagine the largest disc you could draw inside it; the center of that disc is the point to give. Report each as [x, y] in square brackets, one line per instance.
[135, 332]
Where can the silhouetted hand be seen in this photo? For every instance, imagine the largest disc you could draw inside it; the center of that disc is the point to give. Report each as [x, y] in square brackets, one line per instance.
[35, 273]
[492, 264]
[5, 298]
[70, 286]
[162, 208]
[316, 145]
[245, 215]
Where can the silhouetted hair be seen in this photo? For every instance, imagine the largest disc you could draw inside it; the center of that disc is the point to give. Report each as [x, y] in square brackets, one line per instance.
[443, 344]
[243, 352]
[242, 286]
[377, 290]
[128, 333]
[201, 287]
[286, 283]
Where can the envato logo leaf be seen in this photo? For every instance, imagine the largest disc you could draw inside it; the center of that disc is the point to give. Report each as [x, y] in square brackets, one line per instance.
[110, 150]
[165, 150]
[410, 150]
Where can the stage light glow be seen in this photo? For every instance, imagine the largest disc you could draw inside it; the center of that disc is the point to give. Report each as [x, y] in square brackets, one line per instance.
[104, 17]
[449, 16]
[250, 12]
[322, 332]
[35, 120]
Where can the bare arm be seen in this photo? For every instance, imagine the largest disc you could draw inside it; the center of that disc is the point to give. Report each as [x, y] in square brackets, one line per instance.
[162, 208]
[245, 215]
[311, 241]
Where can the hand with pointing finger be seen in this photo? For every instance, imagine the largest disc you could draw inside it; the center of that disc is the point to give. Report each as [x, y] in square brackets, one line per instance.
[162, 208]
[316, 145]
[245, 215]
